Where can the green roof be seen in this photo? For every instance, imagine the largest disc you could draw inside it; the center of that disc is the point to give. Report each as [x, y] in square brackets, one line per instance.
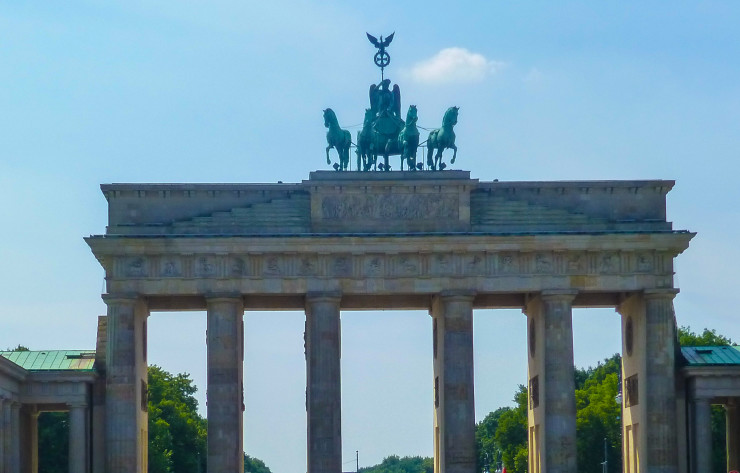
[714, 355]
[52, 360]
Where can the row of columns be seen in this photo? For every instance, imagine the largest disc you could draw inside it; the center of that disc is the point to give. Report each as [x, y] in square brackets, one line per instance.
[19, 437]
[701, 439]
[552, 407]
[649, 359]
[126, 370]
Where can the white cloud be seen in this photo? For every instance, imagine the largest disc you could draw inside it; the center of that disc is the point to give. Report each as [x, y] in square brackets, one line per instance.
[454, 65]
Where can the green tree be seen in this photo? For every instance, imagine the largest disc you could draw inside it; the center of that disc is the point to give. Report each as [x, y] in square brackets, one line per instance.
[489, 452]
[53, 442]
[511, 433]
[18, 348]
[396, 464]
[254, 465]
[598, 417]
[177, 434]
[687, 338]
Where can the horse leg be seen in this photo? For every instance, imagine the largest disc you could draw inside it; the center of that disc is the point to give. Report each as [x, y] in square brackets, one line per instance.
[430, 159]
[328, 161]
[454, 155]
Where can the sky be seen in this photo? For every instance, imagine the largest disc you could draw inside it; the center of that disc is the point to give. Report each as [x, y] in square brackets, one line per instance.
[223, 91]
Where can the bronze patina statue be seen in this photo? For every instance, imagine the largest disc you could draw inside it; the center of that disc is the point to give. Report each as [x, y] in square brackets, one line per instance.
[408, 141]
[383, 131]
[441, 139]
[338, 139]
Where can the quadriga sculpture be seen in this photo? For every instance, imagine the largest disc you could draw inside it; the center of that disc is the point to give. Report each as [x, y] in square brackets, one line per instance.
[441, 139]
[338, 139]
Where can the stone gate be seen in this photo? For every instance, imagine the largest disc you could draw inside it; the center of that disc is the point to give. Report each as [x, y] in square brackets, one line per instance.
[396, 240]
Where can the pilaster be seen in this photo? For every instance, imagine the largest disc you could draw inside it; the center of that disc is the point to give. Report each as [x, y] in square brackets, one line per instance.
[454, 405]
[225, 397]
[126, 384]
[551, 390]
[323, 382]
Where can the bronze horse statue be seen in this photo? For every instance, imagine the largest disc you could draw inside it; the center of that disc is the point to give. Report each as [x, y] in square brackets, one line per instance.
[441, 139]
[408, 141]
[338, 139]
[366, 156]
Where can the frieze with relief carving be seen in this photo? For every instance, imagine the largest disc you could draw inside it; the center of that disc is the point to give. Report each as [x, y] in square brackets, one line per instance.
[398, 265]
[396, 206]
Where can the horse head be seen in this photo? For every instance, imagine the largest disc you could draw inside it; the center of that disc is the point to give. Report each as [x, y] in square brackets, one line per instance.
[330, 118]
[369, 117]
[450, 117]
[411, 116]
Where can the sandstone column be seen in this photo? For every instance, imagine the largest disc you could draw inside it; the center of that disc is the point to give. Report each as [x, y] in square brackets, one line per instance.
[732, 413]
[14, 454]
[225, 373]
[454, 404]
[78, 438]
[701, 420]
[552, 403]
[126, 388]
[660, 368]
[323, 383]
[30, 447]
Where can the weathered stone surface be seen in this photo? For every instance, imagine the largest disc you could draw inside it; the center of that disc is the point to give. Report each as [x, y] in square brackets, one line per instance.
[403, 240]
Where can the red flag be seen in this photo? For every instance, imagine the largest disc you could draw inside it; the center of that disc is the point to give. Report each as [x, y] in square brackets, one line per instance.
[504, 470]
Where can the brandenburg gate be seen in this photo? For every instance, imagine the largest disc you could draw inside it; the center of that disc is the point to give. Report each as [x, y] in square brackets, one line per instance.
[440, 241]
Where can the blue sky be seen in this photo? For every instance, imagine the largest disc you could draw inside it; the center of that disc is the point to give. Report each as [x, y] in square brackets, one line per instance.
[222, 91]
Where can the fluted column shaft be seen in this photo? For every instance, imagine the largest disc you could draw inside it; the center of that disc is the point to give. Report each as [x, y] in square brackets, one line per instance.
[552, 403]
[452, 315]
[660, 380]
[126, 385]
[323, 383]
[225, 373]
[78, 438]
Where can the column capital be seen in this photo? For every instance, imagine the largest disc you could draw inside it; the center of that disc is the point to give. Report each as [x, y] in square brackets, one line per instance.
[224, 297]
[667, 293]
[457, 294]
[564, 295]
[121, 298]
[328, 296]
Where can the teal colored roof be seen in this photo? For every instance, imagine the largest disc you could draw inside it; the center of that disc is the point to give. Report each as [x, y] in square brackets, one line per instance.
[52, 360]
[716, 355]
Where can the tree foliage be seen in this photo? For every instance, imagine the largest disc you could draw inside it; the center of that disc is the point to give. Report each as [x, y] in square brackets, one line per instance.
[598, 416]
[177, 434]
[254, 465]
[687, 338]
[53, 442]
[396, 464]
[19, 348]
